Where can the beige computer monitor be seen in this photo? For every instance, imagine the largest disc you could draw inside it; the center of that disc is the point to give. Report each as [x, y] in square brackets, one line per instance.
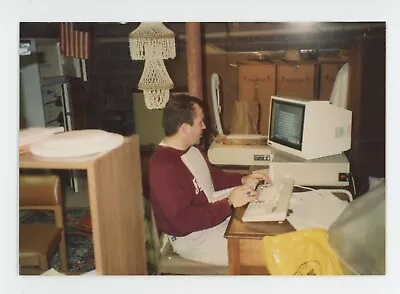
[308, 129]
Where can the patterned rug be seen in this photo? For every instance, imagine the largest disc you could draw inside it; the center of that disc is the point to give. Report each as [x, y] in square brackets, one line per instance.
[78, 237]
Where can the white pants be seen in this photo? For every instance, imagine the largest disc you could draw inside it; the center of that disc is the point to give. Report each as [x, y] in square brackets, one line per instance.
[208, 246]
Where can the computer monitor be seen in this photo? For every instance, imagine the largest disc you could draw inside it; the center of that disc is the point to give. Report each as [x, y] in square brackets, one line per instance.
[308, 129]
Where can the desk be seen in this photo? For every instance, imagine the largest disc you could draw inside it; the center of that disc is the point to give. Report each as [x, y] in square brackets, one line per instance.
[245, 252]
[116, 204]
[245, 243]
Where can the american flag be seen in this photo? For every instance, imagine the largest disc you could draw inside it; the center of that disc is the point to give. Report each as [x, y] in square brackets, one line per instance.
[75, 39]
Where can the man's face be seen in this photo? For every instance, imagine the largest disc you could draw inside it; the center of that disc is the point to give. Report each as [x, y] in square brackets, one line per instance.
[196, 130]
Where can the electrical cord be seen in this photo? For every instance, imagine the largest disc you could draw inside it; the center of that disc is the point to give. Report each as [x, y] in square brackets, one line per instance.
[349, 195]
[354, 184]
[305, 188]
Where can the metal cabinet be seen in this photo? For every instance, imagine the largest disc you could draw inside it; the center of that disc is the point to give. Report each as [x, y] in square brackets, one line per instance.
[53, 102]
[50, 89]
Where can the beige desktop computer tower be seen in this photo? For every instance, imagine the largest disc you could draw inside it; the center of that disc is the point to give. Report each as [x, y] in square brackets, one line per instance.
[326, 171]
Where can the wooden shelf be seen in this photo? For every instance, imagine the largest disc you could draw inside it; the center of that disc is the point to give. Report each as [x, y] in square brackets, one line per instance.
[116, 205]
[29, 160]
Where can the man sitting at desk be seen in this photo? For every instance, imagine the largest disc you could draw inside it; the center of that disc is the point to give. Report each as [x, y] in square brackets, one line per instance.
[180, 200]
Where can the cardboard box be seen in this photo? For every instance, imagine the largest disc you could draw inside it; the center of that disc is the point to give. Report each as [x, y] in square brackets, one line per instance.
[328, 75]
[296, 80]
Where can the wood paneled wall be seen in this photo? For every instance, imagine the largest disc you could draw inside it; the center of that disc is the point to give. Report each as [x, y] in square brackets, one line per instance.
[367, 100]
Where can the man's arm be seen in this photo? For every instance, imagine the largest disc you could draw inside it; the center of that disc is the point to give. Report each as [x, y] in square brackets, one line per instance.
[223, 180]
[186, 211]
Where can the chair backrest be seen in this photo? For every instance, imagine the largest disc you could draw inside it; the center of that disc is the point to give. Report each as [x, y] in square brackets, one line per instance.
[41, 192]
[155, 234]
[36, 241]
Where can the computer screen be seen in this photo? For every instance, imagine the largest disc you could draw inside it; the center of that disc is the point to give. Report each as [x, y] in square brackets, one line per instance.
[308, 129]
[287, 123]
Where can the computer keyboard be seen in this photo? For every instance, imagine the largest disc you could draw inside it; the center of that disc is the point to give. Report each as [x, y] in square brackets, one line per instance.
[273, 203]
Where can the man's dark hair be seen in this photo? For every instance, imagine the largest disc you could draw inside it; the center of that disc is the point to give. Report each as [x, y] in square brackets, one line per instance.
[179, 110]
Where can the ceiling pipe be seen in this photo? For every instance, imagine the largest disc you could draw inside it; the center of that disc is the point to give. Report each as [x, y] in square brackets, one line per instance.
[317, 28]
[292, 31]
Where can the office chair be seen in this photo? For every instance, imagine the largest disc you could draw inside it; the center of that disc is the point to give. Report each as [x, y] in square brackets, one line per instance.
[170, 263]
[37, 242]
[167, 261]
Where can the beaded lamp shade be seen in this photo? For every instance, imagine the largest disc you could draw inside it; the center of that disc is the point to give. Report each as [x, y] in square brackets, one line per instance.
[155, 83]
[153, 42]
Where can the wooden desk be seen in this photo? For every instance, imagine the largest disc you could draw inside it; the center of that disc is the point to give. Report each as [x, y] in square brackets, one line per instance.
[116, 205]
[245, 251]
[245, 243]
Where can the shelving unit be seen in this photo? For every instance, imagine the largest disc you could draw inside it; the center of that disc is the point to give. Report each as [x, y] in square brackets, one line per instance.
[116, 205]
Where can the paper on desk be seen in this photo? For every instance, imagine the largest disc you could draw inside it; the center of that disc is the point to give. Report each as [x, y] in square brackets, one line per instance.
[315, 209]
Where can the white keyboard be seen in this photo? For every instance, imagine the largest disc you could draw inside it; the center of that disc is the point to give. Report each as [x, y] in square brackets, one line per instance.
[273, 203]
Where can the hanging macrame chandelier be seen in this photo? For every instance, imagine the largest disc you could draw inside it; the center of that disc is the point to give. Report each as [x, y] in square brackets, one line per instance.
[155, 83]
[153, 42]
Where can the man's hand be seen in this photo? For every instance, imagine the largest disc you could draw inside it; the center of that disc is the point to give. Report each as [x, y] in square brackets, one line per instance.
[242, 195]
[252, 179]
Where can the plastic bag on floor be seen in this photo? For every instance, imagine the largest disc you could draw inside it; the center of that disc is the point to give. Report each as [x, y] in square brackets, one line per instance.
[358, 235]
[305, 252]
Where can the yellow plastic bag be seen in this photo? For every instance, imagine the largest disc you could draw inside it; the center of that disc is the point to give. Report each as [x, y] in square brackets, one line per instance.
[305, 252]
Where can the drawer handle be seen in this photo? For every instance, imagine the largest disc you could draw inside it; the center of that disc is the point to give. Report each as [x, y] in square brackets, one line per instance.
[295, 80]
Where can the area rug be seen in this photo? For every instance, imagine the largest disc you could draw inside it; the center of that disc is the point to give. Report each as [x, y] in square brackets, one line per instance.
[78, 237]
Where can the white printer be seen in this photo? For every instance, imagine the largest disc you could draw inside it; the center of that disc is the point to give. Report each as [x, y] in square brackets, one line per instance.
[242, 150]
